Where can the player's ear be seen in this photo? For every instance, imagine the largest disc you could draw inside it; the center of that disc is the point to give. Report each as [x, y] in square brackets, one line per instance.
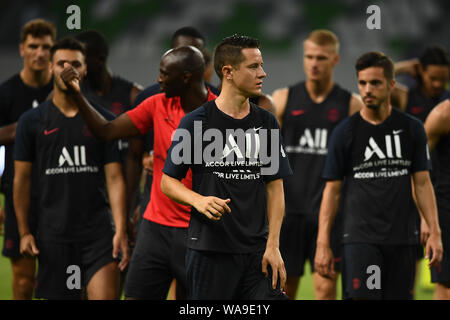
[187, 76]
[391, 84]
[22, 49]
[227, 71]
[337, 57]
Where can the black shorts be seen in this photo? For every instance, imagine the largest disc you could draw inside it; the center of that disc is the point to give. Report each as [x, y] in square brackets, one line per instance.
[441, 274]
[59, 264]
[11, 243]
[379, 272]
[158, 258]
[298, 243]
[223, 276]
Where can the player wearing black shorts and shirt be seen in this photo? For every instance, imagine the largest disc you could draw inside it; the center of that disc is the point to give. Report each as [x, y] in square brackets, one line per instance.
[23, 91]
[237, 208]
[308, 112]
[373, 155]
[437, 127]
[76, 175]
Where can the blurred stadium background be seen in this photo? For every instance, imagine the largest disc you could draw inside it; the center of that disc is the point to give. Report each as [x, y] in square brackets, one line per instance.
[139, 32]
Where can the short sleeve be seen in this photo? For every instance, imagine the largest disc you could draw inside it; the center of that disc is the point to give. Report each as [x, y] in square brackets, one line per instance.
[180, 154]
[282, 162]
[421, 160]
[142, 115]
[25, 142]
[338, 148]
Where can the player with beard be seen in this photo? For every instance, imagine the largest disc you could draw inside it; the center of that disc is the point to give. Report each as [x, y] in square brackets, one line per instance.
[80, 186]
[437, 127]
[159, 254]
[23, 91]
[308, 112]
[376, 155]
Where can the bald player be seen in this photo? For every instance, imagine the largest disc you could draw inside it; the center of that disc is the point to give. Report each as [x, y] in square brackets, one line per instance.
[160, 248]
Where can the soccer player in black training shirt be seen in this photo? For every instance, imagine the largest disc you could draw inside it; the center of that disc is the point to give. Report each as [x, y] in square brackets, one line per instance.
[23, 91]
[76, 176]
[376, 152]
[237, 208]
[437, 127]
[308, 112]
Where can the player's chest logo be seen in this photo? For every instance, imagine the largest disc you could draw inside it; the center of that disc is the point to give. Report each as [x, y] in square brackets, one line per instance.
[392, 147]
[73, 157]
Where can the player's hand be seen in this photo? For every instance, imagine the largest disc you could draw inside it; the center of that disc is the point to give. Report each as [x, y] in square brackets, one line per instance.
[424, 231]
[324, 261]
[434, 249]
[120, 244]
[212, 207]
[272, 257]
[147, 163]
[71, 78]
[28, 246]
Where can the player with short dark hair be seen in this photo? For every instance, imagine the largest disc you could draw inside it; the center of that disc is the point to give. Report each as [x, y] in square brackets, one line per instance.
[23, 91]
[80, 186]
[237, 208]
[308, 111]
[437, 127]
[161, 244]
[376, 155]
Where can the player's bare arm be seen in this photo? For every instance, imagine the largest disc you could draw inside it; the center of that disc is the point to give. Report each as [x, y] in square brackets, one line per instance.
[115, 185]
[21, 195]
[426, 202]
[121, 127]
[438, 123]
[212, 207]
[8, 133]
[275, 214]
[356, 104]
[324, 260]
[279, 98]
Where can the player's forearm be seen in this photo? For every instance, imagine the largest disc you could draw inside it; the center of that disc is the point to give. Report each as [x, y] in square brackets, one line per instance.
[116, 193]
[8, 133]
[133, 170]
[21, 199]
[99, 126]
[275, 211]
[178, 192]
[328, 209]
[426, 202]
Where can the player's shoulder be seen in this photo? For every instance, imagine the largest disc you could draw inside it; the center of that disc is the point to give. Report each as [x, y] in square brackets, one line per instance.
[32, 116]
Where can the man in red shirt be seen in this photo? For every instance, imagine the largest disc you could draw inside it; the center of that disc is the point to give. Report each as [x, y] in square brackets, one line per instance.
[161, 244]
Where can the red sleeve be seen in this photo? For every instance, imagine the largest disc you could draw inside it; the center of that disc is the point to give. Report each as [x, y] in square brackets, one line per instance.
[142, 115]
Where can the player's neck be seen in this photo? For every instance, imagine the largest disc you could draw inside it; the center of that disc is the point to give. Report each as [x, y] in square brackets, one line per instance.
[64, 103]
[35, 79]
[376, 116]
[318, 90]
[233, 103]
[426, 93]
[195, 97]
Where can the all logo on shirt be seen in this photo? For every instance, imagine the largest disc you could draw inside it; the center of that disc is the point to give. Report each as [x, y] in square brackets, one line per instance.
[383, 160]
[72, 160]
[313, 141]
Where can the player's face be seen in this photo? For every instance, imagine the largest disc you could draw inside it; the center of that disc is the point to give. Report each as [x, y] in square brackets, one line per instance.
[373, 87]
[35, 52]
[249, 74]
[435, 78]
[318, 61]
[171, 77]
[73, 57]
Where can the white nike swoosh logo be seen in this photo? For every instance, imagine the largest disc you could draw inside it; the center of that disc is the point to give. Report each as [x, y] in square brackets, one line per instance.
[256, 129]
[397, 131]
